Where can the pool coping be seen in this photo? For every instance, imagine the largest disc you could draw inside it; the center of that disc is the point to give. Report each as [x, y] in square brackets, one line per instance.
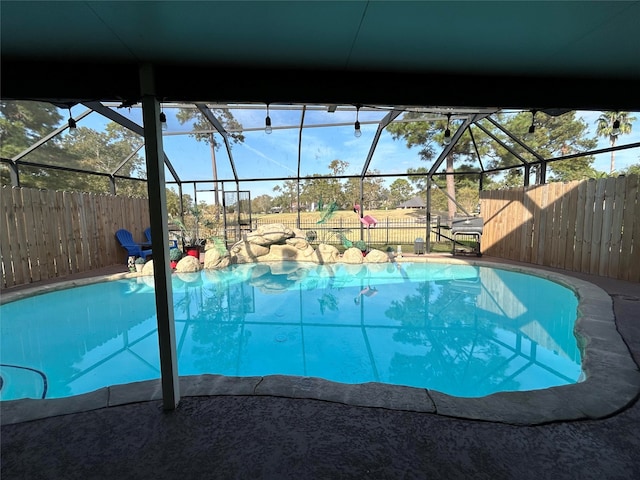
[612, 377]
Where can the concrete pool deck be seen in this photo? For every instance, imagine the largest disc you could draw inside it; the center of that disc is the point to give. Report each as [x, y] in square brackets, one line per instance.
[288, 427]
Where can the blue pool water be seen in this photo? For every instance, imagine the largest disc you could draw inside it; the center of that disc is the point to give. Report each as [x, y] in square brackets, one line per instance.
[464, 330]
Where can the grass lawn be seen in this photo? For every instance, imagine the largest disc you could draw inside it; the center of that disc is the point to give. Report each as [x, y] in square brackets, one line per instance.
[380, 215]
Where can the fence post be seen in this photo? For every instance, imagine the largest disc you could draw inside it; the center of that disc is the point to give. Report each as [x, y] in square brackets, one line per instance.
[387, 228]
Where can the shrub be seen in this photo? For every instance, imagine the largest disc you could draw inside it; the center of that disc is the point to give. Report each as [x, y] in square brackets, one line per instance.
[175, 254]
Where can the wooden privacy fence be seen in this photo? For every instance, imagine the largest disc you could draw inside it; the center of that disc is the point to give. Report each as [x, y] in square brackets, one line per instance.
[586, 226]
[47, 234]
[589, 226]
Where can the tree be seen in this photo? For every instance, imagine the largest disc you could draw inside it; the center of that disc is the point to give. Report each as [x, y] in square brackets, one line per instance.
[554, 136]
[373, 190]
[631, 170]
[24, 123]
[430, 136]
[326, 189]
[261, 204]
[200, 122]
[288, 193]
[316, 190]
[400, 191]
[105, 152]
[605, 128]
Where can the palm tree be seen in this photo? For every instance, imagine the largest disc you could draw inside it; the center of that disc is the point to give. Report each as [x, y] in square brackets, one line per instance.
[605, 128]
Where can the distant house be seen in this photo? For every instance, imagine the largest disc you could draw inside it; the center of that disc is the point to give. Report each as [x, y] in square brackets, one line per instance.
[415, 202]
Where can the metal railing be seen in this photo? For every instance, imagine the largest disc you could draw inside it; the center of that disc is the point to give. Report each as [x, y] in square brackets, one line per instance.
[387, 232]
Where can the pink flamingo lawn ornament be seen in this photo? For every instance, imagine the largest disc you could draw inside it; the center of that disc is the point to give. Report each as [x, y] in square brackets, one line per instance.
[368, 221]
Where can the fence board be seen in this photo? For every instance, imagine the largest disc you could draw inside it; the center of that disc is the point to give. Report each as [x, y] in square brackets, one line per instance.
[527, 225]
[560, 246]
[631, 230]
[580, 219]
[553, 215]
[596, 228]
[607, 218]
[589, 203]
[59, 225]
[23, 275]
[8, 273]
[560, 226]
[571, 193]
[53, 257]
[616, 227]
[76, 228]
[47, 240]
[67, 222]
[32, 240]
[538, 223]
[515, 212]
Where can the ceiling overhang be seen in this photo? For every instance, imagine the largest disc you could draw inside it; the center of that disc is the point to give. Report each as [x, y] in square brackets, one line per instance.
[77, 82]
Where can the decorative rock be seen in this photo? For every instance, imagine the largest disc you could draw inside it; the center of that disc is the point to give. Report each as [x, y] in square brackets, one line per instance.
[189, 278]
[214, 260]
[298, 242]
[147, 270]
[277, 243]
[188, 264]
[355, 270]
[352, 255]
[287, 252]
[269, 234]
[299, 233]
[376, 256]
[326, 254]
[246, 252]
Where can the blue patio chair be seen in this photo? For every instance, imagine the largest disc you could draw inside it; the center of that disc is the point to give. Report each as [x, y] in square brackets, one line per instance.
[147, 233]
[133, 248]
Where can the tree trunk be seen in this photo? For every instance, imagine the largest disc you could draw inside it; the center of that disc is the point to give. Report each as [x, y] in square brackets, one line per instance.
[451, 188]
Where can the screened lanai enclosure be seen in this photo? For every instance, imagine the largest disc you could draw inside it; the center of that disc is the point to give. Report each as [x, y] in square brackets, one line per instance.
[316, 113]
[413, 170]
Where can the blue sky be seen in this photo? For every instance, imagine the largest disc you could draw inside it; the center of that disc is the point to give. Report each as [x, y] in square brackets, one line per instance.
[276, 155]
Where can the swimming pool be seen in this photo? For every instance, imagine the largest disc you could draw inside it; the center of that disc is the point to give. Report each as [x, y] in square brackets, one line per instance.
[464, 330]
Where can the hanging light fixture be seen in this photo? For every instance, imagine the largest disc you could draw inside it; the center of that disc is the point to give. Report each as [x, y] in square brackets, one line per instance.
[532, 127]
[616, 127]
[163, 119]
[267, 123]
[447, 132]
[357, 132]
[72, 123]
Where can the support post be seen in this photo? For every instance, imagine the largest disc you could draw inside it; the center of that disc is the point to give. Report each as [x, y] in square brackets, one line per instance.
[543, 173]
[160, 240]
[428, 216]
[361, 212]
[13, 173]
